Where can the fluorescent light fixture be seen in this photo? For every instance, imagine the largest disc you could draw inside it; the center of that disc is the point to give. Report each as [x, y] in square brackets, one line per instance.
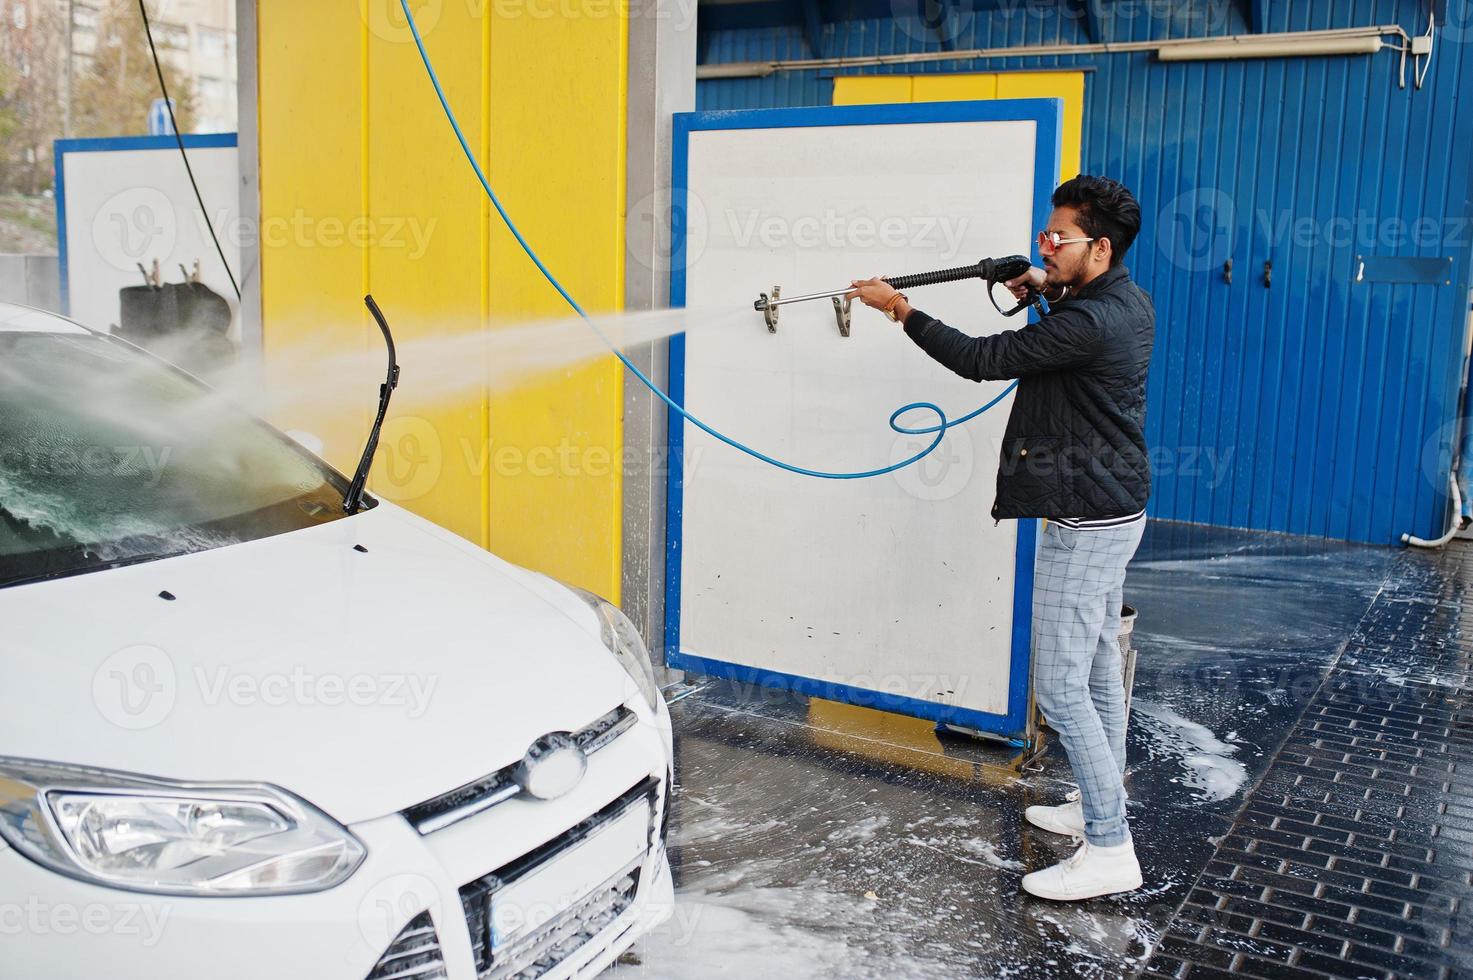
[1268, 47]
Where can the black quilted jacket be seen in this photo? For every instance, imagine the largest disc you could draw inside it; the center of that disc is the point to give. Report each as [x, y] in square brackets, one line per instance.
[1074, 445]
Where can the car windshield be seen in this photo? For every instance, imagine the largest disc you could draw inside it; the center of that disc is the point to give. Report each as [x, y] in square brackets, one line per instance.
[109, 457]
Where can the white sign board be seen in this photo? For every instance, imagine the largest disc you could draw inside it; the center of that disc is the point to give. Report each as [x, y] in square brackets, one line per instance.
[126, 201]
[897, 591]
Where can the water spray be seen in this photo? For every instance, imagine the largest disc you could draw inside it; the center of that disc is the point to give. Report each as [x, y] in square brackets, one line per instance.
[936, 431]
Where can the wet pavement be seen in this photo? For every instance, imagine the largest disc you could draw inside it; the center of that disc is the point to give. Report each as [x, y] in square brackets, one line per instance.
[812, 839]
[1353, 855]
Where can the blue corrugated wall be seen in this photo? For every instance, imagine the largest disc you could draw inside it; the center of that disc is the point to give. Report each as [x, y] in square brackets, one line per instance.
[1318, 405]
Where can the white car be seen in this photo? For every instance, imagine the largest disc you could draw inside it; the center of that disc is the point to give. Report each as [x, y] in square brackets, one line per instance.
[245, 734]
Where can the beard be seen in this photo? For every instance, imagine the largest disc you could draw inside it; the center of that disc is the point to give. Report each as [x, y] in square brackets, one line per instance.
[1063, 273]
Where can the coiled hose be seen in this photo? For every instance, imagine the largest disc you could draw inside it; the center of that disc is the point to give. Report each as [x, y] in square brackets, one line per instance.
[938, 430]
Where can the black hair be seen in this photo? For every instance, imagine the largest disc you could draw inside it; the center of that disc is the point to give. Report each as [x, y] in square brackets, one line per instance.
[1107, 209]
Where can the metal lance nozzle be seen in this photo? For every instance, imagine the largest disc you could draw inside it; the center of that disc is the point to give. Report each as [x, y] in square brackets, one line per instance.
[993, 271]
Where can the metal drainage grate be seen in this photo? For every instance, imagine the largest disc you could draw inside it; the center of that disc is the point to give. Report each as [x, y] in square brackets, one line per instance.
[535, 954]
[484, 793]
[413, 955]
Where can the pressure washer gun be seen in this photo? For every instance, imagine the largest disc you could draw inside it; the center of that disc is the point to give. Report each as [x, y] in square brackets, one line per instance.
[994, 271]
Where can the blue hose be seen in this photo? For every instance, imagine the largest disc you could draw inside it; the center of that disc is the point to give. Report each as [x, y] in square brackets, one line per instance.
[939, 429]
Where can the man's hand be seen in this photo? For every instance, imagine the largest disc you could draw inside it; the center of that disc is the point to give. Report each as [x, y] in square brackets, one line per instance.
[1034, 277]
[880, 295]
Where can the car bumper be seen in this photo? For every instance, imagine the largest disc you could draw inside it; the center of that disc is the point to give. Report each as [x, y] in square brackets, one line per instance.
[51, 925]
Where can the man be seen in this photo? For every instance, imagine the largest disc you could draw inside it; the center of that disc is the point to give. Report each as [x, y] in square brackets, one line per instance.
[1073, 453]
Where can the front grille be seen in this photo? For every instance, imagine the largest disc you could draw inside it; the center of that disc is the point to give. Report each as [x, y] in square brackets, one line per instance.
[413, 955]
[484, 793]
[535, 954]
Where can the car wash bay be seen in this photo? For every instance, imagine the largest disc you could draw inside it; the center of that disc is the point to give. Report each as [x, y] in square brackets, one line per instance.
[816, 837]
[813, 839]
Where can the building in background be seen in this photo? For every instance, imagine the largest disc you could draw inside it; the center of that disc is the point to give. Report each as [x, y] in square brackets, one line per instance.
[194, 37]
[50, 50]
[79, 68]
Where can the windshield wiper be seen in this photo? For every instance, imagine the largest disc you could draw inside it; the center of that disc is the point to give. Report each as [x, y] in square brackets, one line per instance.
[353, 500]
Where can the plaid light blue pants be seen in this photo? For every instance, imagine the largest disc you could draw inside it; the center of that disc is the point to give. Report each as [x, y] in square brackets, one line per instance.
[1078, 580]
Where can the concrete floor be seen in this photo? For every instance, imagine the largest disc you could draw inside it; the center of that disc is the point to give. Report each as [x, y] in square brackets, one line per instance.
[812, 839]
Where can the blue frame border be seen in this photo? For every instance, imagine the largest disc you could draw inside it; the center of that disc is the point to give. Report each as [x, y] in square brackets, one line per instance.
[1047, 114]
[59, 150]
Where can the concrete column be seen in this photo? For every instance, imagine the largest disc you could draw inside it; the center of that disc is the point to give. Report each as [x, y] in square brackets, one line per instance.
[247, 142]
[662, 81]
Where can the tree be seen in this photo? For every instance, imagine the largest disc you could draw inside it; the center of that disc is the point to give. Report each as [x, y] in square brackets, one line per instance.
[30, 80]
[112, 97]
[9, 111]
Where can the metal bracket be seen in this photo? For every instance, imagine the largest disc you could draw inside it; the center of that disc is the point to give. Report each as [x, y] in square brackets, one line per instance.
[769, 312]
[841, 313]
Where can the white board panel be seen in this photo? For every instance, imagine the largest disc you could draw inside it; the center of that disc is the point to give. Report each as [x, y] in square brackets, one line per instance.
[126, 205]
[902, 583]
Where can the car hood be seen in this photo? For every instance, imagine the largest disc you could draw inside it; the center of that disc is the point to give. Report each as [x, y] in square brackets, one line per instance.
[363, 680]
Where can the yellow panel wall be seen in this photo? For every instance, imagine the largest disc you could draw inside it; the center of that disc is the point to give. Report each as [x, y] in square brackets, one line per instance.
[350, 131]
[871, 89]
[558, 108]
[428, 278]
[952, 88]
[313, 173]
[1066, 85]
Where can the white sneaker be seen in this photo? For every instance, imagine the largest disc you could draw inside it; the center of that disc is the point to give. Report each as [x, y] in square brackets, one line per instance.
[1066, 818]
[1091, 872]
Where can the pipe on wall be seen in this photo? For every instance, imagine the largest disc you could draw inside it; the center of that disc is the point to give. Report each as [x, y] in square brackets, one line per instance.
[1454, 525]
[1354, 40]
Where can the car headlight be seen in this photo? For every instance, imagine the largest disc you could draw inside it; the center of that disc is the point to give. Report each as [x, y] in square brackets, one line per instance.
[156, 835]
[625, 643]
